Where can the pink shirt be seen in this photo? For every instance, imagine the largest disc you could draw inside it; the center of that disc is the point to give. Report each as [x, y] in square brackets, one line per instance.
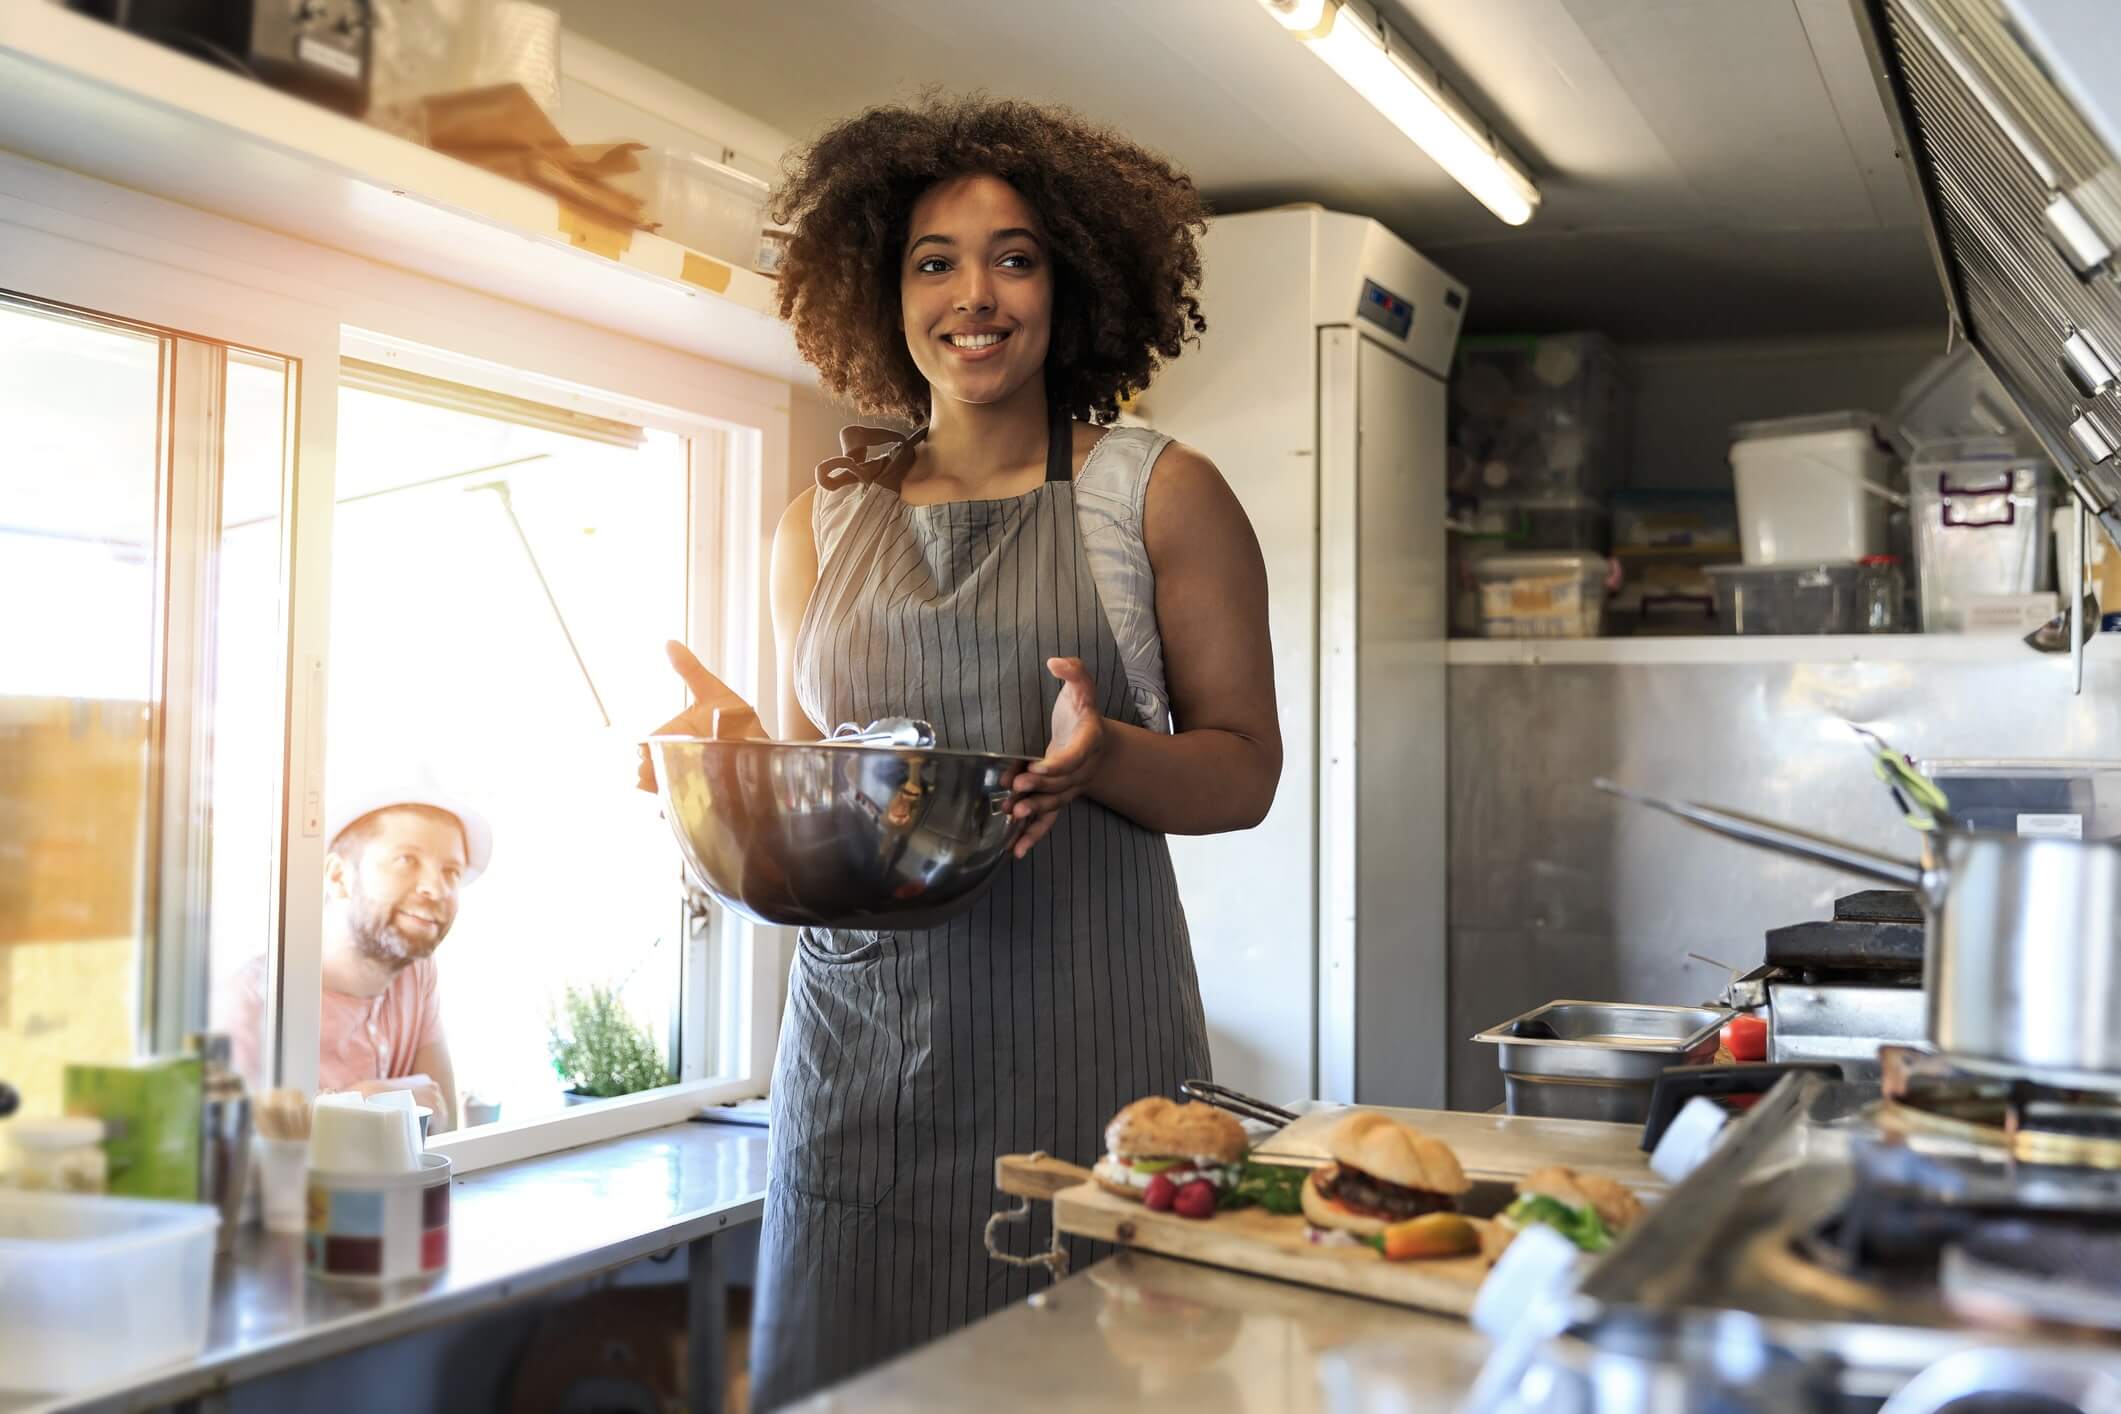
[364, 1038]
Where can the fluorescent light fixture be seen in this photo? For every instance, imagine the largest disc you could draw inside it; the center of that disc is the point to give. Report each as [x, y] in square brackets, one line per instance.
[1298, 14]
[1377, 64]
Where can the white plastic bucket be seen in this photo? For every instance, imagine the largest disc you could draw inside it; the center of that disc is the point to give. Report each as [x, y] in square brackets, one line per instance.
[1812, 489]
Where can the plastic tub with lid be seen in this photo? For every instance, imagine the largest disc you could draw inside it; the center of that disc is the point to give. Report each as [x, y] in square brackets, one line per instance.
[2077, 800]
[1979, 511]
[94, 1289]
[707, 205]
[1560, 595]
[1545, 522]
[1812, 489]
[59, 1155]
[1955, 396]
[1776, 600]
[1537, 417]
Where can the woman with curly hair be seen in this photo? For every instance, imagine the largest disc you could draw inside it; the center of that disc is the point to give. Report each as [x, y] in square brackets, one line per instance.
[1031, 580]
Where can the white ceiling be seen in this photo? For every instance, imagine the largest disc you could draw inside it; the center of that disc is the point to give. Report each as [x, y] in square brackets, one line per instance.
[1711, 168]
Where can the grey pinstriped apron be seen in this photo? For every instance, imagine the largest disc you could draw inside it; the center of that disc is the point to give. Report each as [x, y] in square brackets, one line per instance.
[909, 1060]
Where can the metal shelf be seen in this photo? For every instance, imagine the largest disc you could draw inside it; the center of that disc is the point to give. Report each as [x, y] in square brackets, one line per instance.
[1816, 648]
[82, 95]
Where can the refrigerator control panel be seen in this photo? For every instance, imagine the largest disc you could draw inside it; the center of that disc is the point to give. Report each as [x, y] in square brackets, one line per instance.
[1392, 313]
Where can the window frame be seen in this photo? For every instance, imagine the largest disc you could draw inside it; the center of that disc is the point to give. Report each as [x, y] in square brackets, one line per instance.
[130, 258]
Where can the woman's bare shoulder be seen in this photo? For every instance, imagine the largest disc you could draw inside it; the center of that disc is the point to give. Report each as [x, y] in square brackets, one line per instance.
[1184, 486]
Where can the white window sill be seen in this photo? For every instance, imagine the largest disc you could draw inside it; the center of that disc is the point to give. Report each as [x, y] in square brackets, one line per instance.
[511, 1141]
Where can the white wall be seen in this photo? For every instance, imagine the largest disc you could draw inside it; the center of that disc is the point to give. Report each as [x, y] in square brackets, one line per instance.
[1684, 397]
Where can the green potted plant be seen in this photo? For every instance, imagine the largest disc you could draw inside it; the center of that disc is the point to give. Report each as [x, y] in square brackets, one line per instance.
[599, 1050]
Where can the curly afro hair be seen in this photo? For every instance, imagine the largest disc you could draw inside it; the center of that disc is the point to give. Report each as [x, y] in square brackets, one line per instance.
[1121, 225]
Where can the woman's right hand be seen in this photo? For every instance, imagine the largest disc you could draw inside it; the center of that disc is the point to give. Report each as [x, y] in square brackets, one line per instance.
[709, 696]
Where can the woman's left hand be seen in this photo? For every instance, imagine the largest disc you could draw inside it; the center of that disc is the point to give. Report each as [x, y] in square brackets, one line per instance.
[1073, 754]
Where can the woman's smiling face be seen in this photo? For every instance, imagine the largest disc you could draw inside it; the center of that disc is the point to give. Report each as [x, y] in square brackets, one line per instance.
[976, 289]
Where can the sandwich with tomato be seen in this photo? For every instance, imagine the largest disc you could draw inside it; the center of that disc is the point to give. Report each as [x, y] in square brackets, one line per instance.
[1383, 1173]
[1172, 1156]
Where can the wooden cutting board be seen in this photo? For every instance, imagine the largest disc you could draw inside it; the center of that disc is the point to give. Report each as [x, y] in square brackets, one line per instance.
[1495, 1150]
[1259, 1243]
[1491, 1146]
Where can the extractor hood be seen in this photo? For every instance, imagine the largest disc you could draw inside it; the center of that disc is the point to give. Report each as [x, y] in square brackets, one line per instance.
[2009, 118]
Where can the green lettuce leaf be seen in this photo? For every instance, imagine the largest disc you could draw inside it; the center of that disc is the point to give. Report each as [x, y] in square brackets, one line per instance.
[1581, 1226]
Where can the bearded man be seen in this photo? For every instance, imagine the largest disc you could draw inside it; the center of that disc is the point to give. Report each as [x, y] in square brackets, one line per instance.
[397, 861]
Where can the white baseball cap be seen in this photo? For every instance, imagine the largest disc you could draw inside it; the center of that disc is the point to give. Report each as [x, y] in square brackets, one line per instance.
[363, 792]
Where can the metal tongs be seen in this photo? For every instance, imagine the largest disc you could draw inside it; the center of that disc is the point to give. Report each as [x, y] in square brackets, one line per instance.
[885, 731]
[1922, 801]
[1236, 1102]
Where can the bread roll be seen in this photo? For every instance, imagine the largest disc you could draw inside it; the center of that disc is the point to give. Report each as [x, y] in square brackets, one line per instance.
[1398, 1153]
[1619, 1208]
[1157, 1128]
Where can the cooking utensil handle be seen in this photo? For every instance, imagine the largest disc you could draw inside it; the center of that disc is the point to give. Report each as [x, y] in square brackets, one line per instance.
[2055, 1379]
[1038, 1176]
[1681, 1083]
[1236, 1102]
[1781, 839]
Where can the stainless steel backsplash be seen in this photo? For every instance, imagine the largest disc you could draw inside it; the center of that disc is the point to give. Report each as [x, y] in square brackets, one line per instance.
[1558, 891]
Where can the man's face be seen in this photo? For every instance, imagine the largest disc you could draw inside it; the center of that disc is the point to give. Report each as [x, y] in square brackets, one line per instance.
[398, 888]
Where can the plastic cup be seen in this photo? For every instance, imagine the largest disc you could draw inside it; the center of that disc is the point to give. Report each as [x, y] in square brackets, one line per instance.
[283, 1173]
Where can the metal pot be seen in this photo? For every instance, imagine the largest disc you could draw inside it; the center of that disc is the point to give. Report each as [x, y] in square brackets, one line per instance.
[836, 834]
[2022, 969]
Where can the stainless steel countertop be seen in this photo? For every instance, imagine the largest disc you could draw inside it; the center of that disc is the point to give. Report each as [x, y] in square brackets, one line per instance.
[513, 1230]
[1142, 1332]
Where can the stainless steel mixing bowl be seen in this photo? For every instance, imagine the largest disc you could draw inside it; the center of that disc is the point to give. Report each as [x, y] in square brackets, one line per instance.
[836, 835]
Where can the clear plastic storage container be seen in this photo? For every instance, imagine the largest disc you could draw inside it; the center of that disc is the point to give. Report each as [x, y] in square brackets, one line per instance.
[1537, 417]
[706, 205]
[1542, 596]
[1545, 523]
[1794, 599]
[1979, 510]
[1955, 396]
[2077, 800]
[1661, 592]
[59, 1155]
[94, 1289]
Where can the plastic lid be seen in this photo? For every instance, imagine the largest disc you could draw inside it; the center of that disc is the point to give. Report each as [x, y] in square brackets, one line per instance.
[720, 171]
[1809, 425]
[1546, 562]
[1546, 504]
[1789, 567]
[1955, 396]
[69, 1132]
[1976, 449]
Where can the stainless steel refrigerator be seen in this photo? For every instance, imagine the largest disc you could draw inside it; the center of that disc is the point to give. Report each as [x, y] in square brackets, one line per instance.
[1318, 390]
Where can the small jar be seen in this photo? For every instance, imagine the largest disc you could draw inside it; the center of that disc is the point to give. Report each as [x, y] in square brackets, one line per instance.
[772, 251]
[1879, 594]
[59, 1155]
